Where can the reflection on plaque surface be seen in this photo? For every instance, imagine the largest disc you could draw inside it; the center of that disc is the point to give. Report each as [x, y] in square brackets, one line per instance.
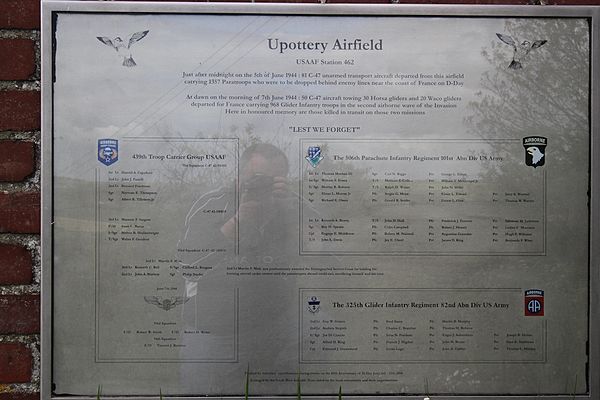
[390, 205]
[415, 198]
[424, 325]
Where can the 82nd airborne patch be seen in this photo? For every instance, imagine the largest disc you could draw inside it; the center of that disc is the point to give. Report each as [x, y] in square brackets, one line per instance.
[534, 303]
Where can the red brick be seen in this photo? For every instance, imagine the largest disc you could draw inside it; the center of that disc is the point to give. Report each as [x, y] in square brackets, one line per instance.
[15, 265]
[17, 161]
[19, 110]
[19, 396]
[521, 2]
[20, 314]
[289, 1]
[17, 59]
[21, 14]
[15, 363]
[358, 1]
[20, 212]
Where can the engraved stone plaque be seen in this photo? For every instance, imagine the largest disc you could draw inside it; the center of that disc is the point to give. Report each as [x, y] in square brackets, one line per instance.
[390, 204]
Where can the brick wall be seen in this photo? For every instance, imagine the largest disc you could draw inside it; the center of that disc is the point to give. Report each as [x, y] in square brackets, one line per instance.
[19, 199]
[20, 188]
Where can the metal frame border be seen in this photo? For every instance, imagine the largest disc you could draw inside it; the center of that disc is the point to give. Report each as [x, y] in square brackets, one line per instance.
[50, 6]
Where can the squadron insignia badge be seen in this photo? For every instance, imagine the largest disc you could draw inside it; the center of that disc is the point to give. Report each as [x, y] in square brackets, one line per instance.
[314, 304]
[534, 303]
[108, 151]
[314, 156]
[535, 150]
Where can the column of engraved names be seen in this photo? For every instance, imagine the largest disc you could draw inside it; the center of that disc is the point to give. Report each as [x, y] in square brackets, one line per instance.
[126, 202]
[329, 189]
[129, 197]
[393, 189]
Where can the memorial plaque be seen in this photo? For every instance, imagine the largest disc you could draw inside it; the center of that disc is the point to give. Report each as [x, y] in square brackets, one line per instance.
[386, 200]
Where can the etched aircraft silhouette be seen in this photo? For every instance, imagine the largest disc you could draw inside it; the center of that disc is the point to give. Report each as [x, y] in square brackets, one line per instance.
[520, 50]
[123, 48]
